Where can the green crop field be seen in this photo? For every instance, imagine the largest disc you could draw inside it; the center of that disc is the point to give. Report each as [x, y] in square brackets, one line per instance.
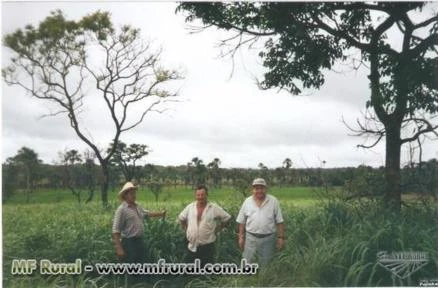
[297, 195]
[329, 242]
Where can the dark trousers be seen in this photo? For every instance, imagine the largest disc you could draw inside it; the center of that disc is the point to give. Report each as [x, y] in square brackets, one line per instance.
[135, 250]
[205, 253]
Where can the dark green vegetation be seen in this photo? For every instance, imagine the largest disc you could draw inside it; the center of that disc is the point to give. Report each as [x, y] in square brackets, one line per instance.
[329, 242]
[24, 173]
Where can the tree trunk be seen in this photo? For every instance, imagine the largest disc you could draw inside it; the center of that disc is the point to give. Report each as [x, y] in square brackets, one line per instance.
[90, 194]
[27, 184]
[105, 184]
[392, 197]
[75, 193]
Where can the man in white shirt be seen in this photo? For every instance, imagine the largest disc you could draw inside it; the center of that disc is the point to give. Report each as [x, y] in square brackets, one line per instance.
[202, 220]
[260, 223]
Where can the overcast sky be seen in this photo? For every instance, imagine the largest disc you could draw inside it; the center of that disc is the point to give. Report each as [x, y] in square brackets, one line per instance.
[217, 116]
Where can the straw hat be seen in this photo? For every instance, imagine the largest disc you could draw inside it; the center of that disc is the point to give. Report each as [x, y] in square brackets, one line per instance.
[128, 186]
[259, 182]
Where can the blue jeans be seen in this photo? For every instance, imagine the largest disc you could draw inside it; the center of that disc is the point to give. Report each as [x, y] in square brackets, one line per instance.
[259, 249]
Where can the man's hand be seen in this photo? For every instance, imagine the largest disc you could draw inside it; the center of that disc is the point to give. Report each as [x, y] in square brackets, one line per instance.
[241, 242]
[120, 252]
[219, 227]
[280, 243]
[183, 224]
[155, 214]
[118, 245]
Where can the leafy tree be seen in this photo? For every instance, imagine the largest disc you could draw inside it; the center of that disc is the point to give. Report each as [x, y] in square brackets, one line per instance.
[241, 187]
[303, 40]
[365, 182]
[189, 175]
[55, 61]
[9, 180]
[199, 171]
[53, 176]
[156, 187]
[215, 172]
[287, 165]
[264, 172]
[126, 158]
[153, 181]
[27, 161]
[71, 157]
[242, 182]
[171, 175]
[70, 160]
[150, 171]
[431, 176]
[421, 178]
[279, 176]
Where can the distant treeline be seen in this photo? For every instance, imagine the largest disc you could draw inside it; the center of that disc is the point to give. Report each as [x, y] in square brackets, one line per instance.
[358, 181]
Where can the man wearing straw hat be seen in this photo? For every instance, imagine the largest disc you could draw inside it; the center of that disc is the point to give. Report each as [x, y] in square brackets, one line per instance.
[128, 226]
[260, 225]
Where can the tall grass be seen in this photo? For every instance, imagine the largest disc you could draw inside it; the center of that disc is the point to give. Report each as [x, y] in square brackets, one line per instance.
[337, 245]
[331, 243]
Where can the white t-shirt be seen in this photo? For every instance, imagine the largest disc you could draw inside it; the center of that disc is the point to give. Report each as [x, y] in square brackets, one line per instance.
[204, 232]
[263, 219]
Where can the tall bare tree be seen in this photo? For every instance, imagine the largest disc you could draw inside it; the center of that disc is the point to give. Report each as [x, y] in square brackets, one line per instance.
[60, 60]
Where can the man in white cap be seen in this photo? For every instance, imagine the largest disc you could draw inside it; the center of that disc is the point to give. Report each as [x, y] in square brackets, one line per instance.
[128, 226]
[202, 220]
[261, 225]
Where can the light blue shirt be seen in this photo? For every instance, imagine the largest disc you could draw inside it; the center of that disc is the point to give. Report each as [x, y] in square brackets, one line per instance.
[263, 219]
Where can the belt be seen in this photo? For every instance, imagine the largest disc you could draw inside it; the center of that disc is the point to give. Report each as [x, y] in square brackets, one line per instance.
[134, 238]
[259, 235]
[211, 243]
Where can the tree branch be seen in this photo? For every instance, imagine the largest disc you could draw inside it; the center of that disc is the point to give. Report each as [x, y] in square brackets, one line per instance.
[425, 23]
[427, 43]
[429, 128]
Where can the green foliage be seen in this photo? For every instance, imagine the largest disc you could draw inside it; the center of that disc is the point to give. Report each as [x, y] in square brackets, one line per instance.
[26, 165]
[365, 182]
[421, 178]
[197, 172]
[156, 188]
[242, 187]
[9, 181]
[126, 157]
[214, 172]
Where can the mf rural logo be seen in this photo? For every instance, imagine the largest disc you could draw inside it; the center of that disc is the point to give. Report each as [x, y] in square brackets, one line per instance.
[402, 264]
